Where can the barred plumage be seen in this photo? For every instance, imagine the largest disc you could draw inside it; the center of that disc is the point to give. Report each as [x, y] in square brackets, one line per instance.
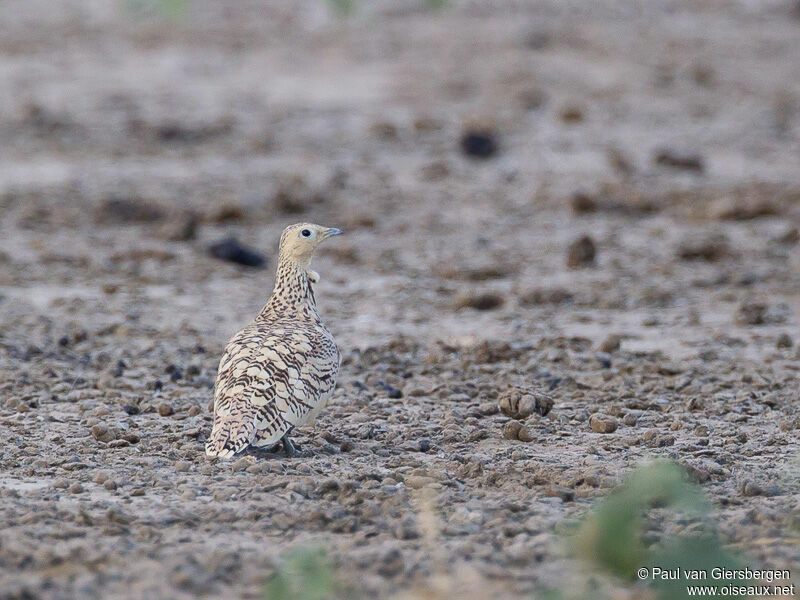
[278, 372]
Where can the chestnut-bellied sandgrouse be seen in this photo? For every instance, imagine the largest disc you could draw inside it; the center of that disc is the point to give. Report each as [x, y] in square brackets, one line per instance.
[279, 371]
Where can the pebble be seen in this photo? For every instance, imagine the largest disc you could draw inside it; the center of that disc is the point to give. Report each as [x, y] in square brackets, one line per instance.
[750, 488]
[479, 301]
[784, 341]
[76, 488]
[708, 247]
[241, 464]
[110, 485]
[479, 143]
[232, 250]
[581, 253]
[602, 423]
[611, 344]
[511, 430]
[165, 410]
[630, 419]
[102, 433]
[668, 157]
[566, 494]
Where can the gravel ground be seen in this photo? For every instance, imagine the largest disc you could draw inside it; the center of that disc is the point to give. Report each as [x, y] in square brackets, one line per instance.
[594, 203]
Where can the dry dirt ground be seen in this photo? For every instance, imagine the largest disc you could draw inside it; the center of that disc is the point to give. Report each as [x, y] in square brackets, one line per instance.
[665, 131]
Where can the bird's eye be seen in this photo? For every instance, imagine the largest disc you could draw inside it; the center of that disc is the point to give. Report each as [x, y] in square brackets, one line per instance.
[306, 233]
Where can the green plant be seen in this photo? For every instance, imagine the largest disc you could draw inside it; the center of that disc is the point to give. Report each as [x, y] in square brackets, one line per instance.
[611, 536]
[305, 574]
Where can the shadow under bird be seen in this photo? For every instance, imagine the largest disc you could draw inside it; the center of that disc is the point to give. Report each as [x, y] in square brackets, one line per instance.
[278, 372]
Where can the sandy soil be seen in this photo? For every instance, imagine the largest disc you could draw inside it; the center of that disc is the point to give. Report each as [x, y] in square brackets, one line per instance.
[669, 133]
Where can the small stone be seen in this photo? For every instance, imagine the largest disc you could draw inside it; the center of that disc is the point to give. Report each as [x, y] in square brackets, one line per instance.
[102, 433]
[750, 488]
[110, 485]
[630, 419]
[611, 344]
[241, 464]
[571, 114]
[165, 410]
[194, 410]
[581, 253]
[139, 491]
[390, 390]
[511, 430]
[697, 474]
[667, 157]
[707, 247]
[232, 250]
[784, 341]
[76, 488]
[602, 423]
[479, 301]
[479, 143]
[524, 435]
[131, 409]
[559, 491]
[182, 466]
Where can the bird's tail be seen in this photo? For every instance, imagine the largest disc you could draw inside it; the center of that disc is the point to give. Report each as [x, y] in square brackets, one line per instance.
[230, 434]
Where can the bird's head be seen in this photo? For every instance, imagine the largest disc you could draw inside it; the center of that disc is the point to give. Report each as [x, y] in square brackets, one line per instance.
[299, 241]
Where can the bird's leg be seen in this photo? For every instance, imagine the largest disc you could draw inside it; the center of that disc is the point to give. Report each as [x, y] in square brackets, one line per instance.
[288, 446]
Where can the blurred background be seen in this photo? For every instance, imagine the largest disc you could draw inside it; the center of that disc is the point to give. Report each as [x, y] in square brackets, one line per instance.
[601, 194]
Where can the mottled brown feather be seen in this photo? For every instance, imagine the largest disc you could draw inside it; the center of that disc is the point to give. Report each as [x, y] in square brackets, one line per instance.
[279, 371]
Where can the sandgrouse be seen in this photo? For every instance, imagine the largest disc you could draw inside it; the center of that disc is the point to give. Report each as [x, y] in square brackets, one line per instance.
[279, 371]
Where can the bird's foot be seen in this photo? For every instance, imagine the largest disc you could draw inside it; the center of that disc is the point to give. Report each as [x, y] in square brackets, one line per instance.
[288, 447]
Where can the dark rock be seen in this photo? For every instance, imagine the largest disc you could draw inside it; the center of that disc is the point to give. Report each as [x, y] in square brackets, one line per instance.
[479, 301]
[232, 250]
[581, 253]
[784, 341]
[540, 296]
[479, 143]
[706, 247]
[571, 114]
[759, 313]
[390, 390]
[131, 409]
[582, 202]
[667, 157]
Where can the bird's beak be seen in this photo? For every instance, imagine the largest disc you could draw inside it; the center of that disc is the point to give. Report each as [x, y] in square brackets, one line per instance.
[330, 232]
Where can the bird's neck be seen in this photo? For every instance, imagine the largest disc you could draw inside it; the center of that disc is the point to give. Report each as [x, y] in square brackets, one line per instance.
[292, 294]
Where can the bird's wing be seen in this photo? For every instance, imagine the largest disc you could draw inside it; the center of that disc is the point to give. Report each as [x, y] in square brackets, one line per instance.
[308, 361]
[268, 382]
[245, 387]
